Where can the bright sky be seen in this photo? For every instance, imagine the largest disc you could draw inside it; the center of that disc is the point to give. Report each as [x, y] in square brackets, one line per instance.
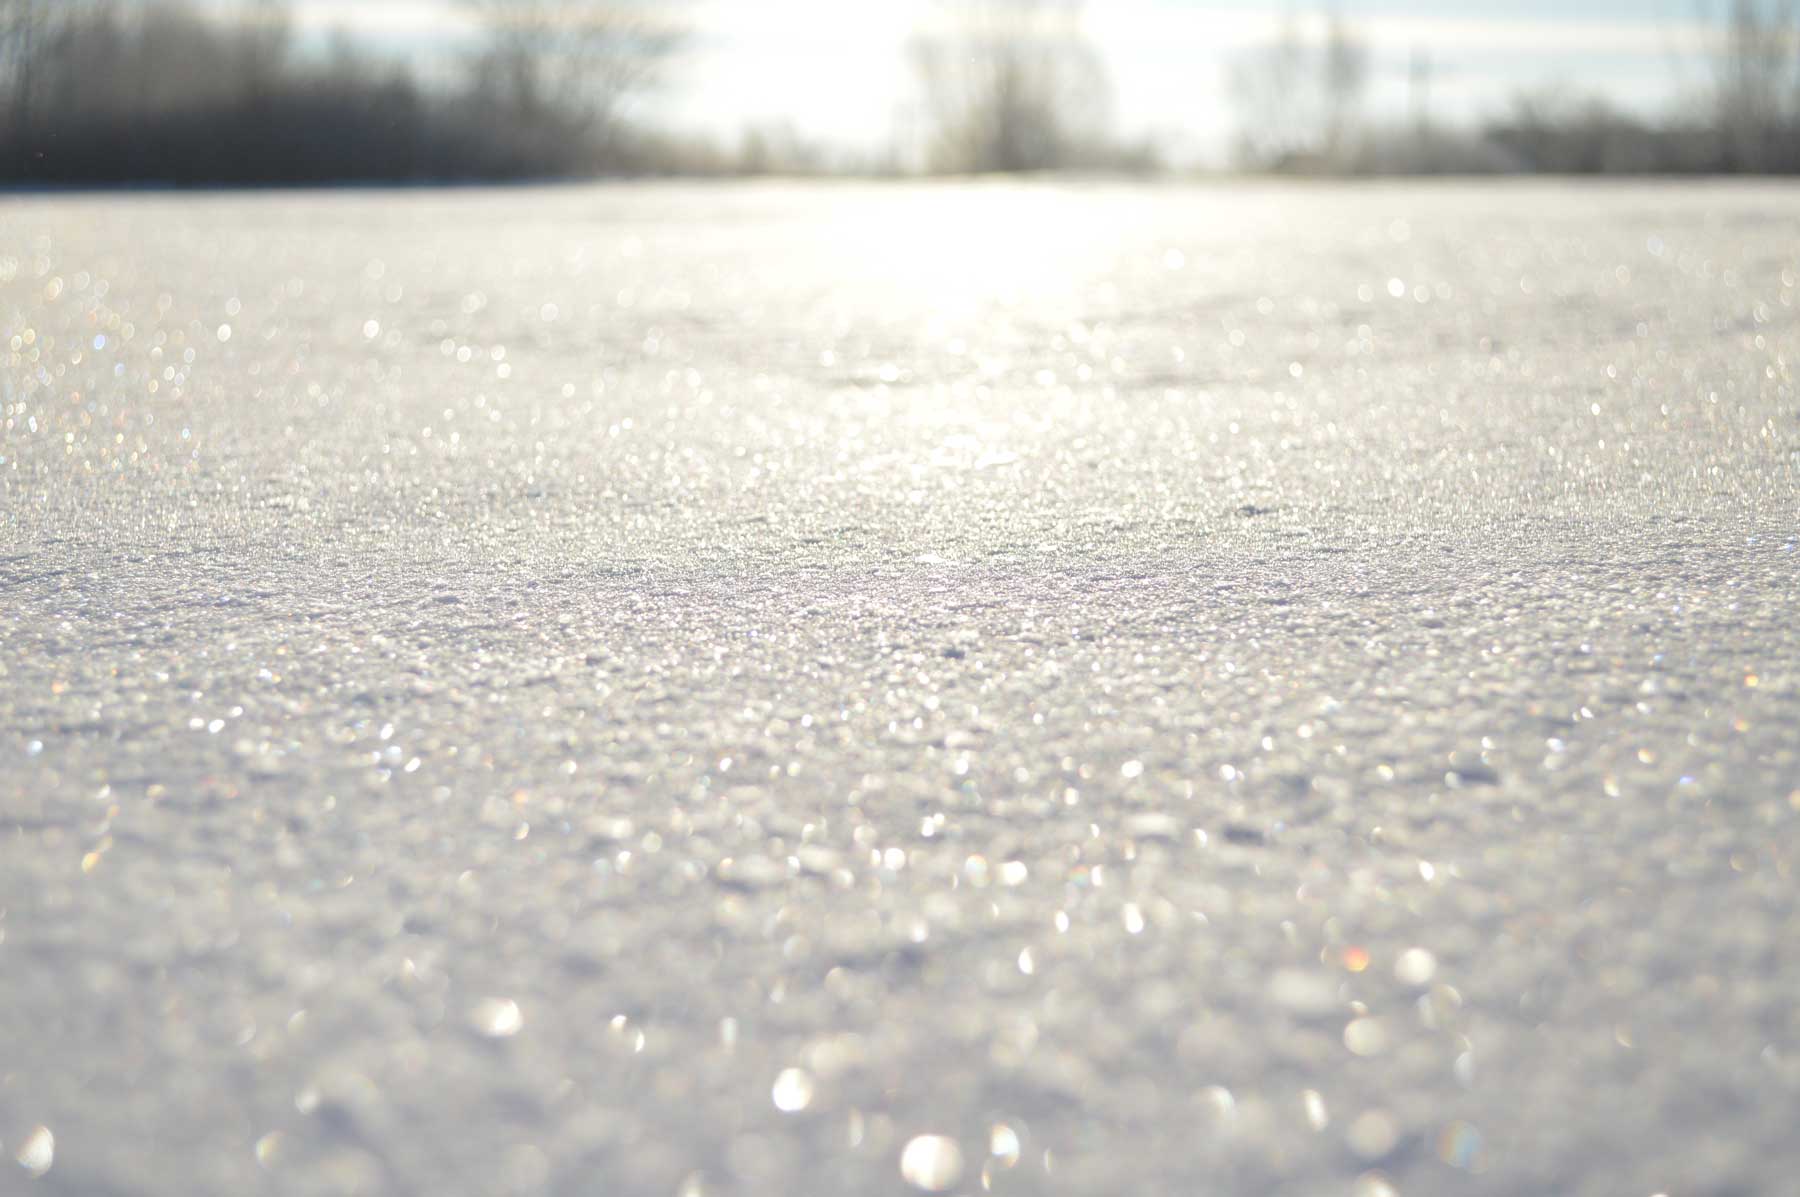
[835, 69]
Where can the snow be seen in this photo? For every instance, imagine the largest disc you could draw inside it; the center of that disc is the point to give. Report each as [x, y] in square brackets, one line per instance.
[856, 689]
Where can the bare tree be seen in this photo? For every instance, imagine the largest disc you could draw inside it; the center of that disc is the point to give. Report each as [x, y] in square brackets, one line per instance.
[1267, 86]
[21, 33]
[575, 64]
[1299, 100]
[1009, 85]
[264, 42]
[1344, 75]
[1755, 74]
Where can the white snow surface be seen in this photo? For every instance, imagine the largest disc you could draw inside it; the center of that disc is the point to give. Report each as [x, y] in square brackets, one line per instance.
[854, 689]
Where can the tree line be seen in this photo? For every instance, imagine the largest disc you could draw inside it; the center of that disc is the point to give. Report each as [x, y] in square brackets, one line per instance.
[173, 91]
[1301, 104]
[109, 91]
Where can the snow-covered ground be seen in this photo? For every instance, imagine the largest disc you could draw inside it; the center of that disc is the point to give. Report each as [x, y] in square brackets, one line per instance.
[843, 690]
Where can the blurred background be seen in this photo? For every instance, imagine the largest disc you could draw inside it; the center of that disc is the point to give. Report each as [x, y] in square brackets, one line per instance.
[265, 92]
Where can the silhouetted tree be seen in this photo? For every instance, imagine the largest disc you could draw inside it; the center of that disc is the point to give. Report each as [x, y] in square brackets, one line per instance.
[1010, 85]
[1299, 103]
[1555, 132]
[777, 148]
[1344, 74]
[21, 37]
[562, 69]
[1265, 83]
[265, 40]
[1756, 74]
